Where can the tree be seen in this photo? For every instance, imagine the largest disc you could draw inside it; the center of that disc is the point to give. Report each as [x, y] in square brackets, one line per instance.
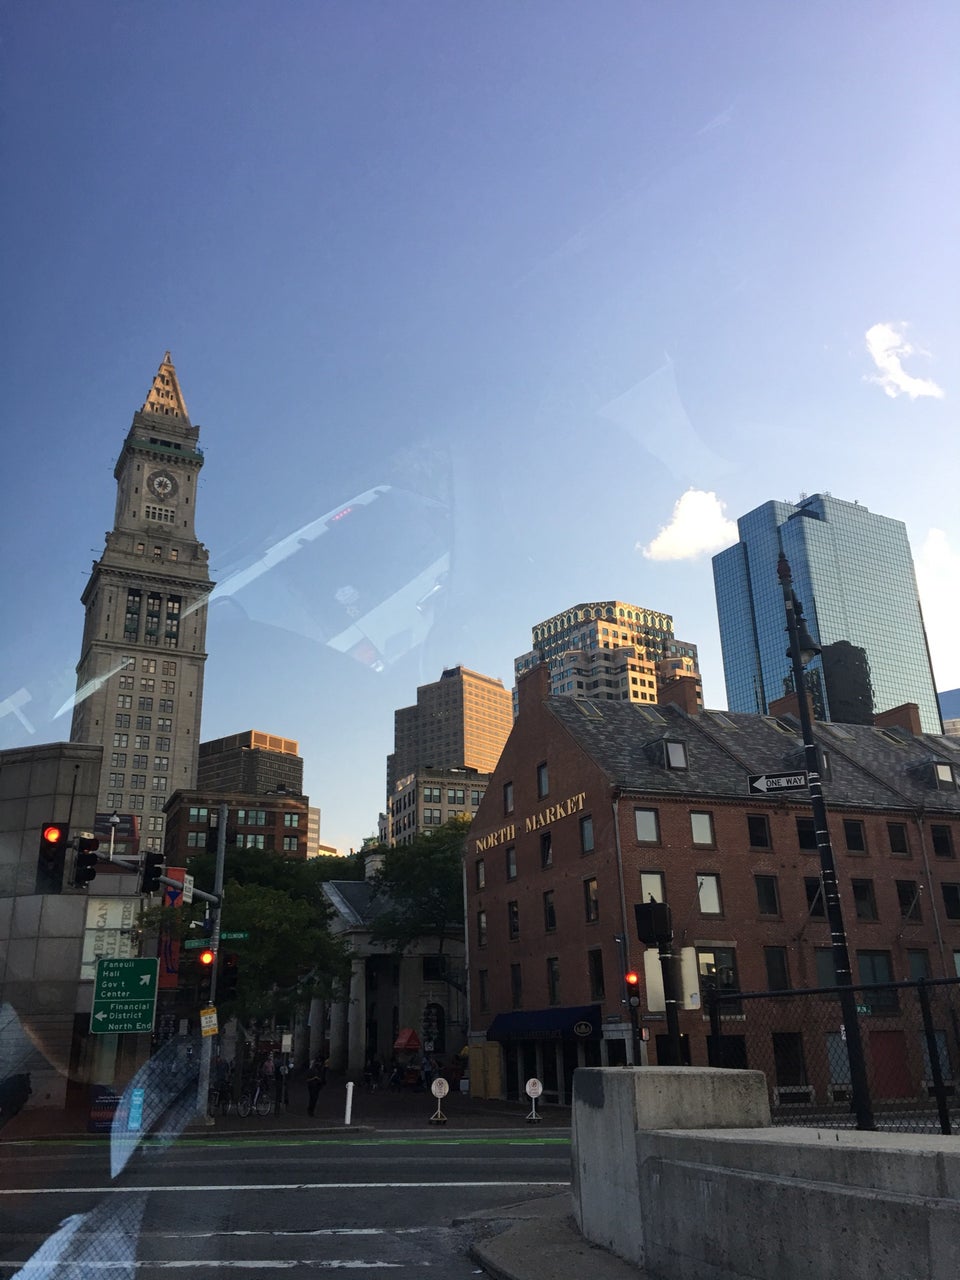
[420, 889]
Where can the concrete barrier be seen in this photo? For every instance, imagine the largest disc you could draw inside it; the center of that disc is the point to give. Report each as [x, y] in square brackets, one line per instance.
[673, 1170]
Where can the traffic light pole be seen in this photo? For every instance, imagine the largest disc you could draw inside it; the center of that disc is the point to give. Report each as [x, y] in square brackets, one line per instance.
[206, 1043]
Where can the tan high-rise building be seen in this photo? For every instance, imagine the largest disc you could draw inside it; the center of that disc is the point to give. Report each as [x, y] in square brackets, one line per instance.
[461, 720]
[140, 674]
[609, 651]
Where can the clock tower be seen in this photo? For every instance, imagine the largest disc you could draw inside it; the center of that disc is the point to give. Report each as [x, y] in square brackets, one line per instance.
[140, 674]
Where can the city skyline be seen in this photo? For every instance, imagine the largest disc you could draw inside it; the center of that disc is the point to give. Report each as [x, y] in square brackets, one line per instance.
[478, 313]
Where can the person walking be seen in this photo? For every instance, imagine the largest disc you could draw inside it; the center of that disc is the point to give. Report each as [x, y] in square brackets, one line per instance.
[315, 1082]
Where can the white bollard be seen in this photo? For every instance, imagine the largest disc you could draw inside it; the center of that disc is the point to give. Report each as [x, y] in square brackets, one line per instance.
[349, 1111]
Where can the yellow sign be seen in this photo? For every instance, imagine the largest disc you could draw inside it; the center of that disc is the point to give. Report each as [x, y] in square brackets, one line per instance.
[208, 1021]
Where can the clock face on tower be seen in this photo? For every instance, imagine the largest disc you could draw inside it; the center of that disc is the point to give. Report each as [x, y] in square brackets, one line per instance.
[162, 485]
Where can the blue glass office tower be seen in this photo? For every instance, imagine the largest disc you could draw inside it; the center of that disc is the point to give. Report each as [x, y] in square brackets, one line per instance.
[853, 572]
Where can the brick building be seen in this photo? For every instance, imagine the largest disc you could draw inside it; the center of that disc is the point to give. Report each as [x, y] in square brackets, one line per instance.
[275, 823]
[595, 807]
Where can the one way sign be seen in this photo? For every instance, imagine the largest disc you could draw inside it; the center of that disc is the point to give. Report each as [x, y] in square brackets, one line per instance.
[764, 783]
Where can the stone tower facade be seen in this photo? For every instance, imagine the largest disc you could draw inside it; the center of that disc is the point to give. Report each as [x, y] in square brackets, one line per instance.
[140, 674]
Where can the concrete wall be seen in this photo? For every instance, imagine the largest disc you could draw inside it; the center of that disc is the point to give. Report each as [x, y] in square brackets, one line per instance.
[724, 1203]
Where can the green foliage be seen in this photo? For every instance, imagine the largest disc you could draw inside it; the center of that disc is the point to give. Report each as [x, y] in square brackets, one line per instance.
[290, 954]
[421, 887]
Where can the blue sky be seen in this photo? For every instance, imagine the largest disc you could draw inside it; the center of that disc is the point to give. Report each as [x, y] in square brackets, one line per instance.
[547, 266]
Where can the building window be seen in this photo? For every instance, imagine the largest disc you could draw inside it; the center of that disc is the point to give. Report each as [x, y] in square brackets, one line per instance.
[768, 896]
[595, 970]
[455, 795]
[951, 900]
[508, 797]
[718, 972]
[758, 830]
[553, 980]
[481, 928]
[546, 849]
[516, 986]
[675, 755]
[942, 839]
[121, 722]
[944, 775]
[138, 781]
[195, 840]
[513, 919]
[117, 780]
[118, 760]
[875, 966]
[778, 975]
[708, 894]
[136, 803]
[591, 900]
[290, 844]
[918, 963]
[826, 968]
[854, 835]
[701, 828]
[816, 906]
[648, 825]
[481, 873]
[586, 834]
[651, 886]
[291, 819]
[483, 989]
[806, 834]
[543, 781]
[549, 912]
[908, 896]
[119, 739]
[198, 814]
[511, 859]
[897, 836]
[114, 799]
[864, 899]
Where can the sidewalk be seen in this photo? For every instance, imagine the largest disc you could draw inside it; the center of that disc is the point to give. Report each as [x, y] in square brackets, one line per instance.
[530, 1240]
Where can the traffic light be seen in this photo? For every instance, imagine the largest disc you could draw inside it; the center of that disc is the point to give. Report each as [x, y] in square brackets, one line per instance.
[53, 849]
[205, 963]
[85, 864]
[229, 977]
[152, 871]
[631, 981]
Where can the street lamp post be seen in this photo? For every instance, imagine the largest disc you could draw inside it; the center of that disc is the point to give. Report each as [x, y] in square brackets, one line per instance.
[114, 822]
[802, 650]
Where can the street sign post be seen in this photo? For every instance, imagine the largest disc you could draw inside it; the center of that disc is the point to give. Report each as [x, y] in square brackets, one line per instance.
[767, 783]
[124, 995]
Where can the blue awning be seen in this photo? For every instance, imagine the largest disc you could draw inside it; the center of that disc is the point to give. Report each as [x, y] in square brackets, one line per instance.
[576, 1022]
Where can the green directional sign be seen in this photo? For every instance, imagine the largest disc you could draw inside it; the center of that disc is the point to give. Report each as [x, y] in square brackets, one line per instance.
[124, 995]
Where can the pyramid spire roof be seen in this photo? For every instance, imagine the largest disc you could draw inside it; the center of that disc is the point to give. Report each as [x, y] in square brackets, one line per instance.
[165, 399]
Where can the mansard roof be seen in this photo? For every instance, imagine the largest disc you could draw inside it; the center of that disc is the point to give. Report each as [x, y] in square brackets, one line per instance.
[867, 766]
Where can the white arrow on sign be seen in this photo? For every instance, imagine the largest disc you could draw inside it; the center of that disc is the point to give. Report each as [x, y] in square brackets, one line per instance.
[100, 1016]
[146, 979]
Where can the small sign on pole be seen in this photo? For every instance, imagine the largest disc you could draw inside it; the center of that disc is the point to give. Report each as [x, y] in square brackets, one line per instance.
[533, 1091]
[187, 889]
[439, 1088]
[765, 784]
[208, 1021]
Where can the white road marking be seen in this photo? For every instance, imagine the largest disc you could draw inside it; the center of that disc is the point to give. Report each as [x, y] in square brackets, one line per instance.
[265, 1186]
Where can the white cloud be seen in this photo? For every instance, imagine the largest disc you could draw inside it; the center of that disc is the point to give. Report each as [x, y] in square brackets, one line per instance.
[938, 572]
[888, 349]
[697, 528]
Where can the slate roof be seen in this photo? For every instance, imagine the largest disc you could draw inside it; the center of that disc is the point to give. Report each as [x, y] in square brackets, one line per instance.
[355, 901]
[868, 767]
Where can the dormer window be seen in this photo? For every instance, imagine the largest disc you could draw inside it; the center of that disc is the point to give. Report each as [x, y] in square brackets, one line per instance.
[675, 754]
[944, 775]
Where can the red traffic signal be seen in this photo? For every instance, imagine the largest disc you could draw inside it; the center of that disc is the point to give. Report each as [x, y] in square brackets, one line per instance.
[207, 957]
[54, 837]
[632, 979]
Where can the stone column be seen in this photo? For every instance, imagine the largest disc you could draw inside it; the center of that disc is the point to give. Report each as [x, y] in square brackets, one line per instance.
[357, 1018]
[338, 1036]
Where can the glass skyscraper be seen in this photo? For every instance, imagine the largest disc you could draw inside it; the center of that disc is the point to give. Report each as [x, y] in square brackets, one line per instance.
[853, 572]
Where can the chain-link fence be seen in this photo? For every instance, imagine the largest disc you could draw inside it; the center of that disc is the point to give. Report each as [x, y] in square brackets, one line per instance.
[911, 1045]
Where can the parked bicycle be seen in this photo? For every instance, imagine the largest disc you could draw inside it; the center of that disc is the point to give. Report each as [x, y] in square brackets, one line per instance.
[258, 1100]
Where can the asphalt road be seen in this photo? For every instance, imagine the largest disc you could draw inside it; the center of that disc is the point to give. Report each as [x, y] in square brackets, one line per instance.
[393, 1204]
